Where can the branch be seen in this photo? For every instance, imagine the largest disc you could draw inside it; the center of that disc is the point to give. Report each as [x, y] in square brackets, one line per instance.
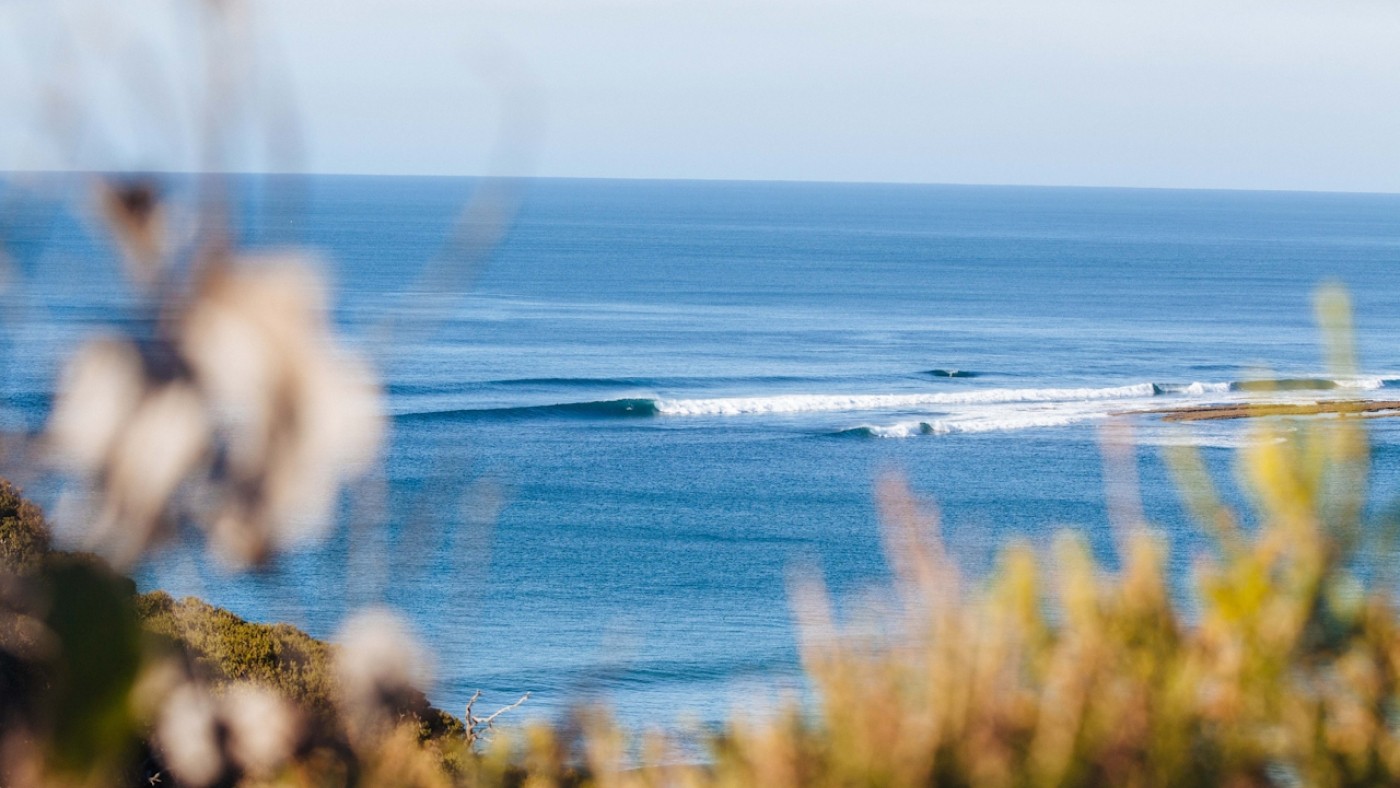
[477, 727]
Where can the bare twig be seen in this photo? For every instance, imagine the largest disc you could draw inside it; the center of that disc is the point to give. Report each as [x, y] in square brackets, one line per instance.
[478, 727]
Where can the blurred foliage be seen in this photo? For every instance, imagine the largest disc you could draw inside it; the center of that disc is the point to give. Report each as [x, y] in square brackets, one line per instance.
[89, 675]
[70, 653]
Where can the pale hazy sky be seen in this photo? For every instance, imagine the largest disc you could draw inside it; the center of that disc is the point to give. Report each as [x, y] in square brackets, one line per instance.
[1277, 94]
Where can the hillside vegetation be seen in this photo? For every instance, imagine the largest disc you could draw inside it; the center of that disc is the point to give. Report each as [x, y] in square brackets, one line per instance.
[82, 696]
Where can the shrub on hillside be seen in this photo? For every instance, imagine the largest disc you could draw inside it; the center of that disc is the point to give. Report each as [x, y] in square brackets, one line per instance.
[24, 536]
[89, 671]
[225, 649]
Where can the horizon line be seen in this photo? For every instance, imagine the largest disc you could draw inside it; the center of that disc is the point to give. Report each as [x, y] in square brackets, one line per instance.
[795, 181]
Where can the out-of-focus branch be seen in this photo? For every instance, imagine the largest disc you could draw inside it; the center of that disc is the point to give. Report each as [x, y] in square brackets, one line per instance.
[479, 727]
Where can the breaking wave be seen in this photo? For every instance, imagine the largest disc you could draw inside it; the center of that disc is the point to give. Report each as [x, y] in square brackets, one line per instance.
[1195, 389]
[1307, 384]
[998, 423]
[599, 409]
[1065, 404]
[826, 403]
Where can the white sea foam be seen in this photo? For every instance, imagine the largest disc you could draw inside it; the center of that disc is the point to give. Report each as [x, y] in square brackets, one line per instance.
[826, 403]
[1235, 440]
[1197, 388]
[999, 422]
[1365, 384]
[1009, 414]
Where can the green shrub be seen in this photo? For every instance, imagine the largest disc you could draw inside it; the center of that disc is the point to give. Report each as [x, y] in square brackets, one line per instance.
[24, 536]
[225, 648]
[71, 633]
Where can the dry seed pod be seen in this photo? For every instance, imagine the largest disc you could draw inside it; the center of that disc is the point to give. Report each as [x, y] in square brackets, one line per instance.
[205, 738]
[245, 389]
[135, 213]
[295, 414]
[263, 729]
[187, 733]
[100, 389]
[380, 669]
[138, 439]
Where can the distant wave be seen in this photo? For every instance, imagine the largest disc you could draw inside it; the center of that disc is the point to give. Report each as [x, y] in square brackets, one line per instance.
[1266, 385]
[635, 407]
[1307, 384]
[952, 373]
[827, 403]
[414, 389]
[788, 403]
[1234, 440]
[598, 409]
[1000, 423]
[653, 383]
[1284, 384]
[1009, 415]
[1195, 389]
[575, 382]
[560, 382]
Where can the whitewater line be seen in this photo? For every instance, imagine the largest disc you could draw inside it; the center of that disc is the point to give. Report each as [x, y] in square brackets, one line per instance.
[821, 403]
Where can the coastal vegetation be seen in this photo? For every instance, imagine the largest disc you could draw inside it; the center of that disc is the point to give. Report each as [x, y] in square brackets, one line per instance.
[24, 536]
[77, 640]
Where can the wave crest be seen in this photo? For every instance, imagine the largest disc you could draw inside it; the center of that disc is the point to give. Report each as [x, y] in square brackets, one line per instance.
[598, 409]
[1061, 403]
[826, 403]
[1005, 422]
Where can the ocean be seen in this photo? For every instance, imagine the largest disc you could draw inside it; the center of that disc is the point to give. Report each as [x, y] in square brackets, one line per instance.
[654, 404]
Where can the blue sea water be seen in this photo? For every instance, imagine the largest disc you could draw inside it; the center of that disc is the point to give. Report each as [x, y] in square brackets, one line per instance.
[614, 445]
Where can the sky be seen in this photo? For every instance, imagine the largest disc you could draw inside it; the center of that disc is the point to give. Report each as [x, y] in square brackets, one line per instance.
[1255, 94]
